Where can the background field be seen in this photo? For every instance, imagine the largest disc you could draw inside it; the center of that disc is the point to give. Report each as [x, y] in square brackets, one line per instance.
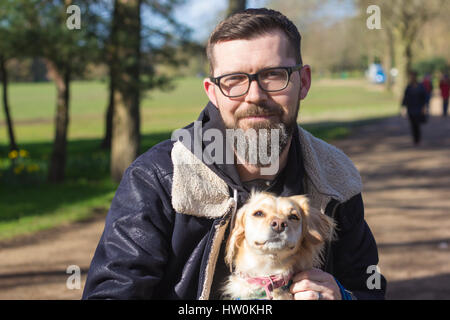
[28, 204]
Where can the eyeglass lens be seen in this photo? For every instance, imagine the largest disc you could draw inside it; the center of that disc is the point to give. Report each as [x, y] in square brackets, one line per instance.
[269, 80]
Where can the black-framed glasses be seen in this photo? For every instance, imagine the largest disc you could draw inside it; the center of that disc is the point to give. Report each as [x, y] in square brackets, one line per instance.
[237, 84]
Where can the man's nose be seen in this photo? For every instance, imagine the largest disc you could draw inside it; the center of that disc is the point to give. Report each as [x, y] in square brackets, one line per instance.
[255, 93]
[278, 225]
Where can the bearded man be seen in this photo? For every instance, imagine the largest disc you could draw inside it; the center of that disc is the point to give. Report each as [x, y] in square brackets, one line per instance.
[165, 232]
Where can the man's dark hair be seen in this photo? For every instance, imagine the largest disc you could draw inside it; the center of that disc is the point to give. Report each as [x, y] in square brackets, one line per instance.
[251, 23]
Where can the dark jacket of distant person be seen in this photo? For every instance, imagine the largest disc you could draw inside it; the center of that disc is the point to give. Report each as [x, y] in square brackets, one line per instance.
[415, 98]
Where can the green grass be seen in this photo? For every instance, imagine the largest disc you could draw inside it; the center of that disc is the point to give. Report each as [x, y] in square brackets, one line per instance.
[29, 209]
[28, 204]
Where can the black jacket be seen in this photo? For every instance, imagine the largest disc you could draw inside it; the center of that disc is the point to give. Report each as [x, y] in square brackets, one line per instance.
[415, 98]
[167, 221]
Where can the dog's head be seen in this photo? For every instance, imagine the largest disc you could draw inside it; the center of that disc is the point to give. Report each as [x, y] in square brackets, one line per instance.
[282, 226]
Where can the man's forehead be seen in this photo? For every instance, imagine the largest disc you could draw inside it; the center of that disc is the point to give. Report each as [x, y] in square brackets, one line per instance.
[250, 55]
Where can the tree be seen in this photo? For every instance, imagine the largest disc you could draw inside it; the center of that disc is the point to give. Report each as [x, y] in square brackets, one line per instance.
[331, 41]
[9, 47]
[66, 53]
[235, 6]
[126, 42]
[135, 50]
[9, 123]
[65, 57]
[170, 38]
[403, 21]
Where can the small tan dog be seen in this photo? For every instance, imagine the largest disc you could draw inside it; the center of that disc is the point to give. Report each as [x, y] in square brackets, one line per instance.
[273, 239]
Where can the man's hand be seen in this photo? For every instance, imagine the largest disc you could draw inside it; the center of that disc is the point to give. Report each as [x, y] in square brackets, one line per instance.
[403, 112]
[315, 284]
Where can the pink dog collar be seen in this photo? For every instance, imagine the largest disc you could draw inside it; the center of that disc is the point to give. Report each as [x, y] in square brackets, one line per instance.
[270, 283]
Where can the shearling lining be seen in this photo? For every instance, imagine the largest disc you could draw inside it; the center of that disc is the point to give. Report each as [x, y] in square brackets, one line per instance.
[198, 191]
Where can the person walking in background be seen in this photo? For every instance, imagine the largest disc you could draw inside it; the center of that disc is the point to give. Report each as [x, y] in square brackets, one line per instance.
[428, 85]
[444, 85]
[415, 102]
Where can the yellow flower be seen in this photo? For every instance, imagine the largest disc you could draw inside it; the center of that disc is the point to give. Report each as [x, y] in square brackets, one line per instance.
[23, 153]
[32, 168]
[18, 169]
[13, 154]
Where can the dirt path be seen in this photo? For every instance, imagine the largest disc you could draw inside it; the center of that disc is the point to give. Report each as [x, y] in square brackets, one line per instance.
[35, 267]
[407, 200]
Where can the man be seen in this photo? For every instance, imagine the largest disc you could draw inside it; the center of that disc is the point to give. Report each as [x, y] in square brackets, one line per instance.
[165, 232]
[414, 100]
[444, 86]
[428, 86]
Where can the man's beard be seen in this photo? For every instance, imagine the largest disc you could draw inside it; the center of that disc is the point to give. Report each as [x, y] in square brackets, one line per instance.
[263, 145]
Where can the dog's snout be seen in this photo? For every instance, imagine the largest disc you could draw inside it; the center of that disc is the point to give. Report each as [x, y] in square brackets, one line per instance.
[278, 225]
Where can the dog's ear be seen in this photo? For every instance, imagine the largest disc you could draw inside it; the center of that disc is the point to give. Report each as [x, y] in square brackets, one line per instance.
[319, 227]
[237, 235]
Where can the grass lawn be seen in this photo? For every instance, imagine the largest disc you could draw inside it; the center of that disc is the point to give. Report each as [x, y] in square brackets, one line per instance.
[28, 204]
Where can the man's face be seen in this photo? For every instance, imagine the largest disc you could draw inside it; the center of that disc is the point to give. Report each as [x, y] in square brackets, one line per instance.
[257, 109]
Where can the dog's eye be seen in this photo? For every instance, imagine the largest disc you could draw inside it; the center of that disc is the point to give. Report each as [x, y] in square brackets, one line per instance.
[293, 217]
[258, 214]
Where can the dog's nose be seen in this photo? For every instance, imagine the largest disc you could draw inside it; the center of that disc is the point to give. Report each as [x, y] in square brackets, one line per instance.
[278, 225]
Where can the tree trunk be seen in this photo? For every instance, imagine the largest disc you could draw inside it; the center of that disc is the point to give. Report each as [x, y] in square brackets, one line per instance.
[110, 58]
[126, 60]
[58, 157]
[9, 124]
[235, 6]
[408, 56]
[389, 57]
[403, 58]
[106, 143]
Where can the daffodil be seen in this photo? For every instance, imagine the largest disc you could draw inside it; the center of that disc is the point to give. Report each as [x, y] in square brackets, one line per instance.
[18, 169]
[23, 153]
[32, 168]
[13, 154]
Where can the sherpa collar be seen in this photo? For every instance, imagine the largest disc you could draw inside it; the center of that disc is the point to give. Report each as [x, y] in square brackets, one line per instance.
[198, 191]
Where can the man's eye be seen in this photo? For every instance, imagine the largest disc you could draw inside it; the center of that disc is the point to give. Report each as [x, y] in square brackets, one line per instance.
[258, 214]
[273, 74]
[293, 217]
[234, 79]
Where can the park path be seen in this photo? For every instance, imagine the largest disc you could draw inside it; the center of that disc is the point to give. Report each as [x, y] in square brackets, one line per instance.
[407, 205]
[407, 202]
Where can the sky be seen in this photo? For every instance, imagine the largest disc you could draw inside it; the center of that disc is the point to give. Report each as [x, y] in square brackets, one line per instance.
[202, 15]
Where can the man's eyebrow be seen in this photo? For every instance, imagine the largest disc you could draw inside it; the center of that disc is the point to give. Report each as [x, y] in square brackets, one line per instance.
[230, 72]
[240, 71]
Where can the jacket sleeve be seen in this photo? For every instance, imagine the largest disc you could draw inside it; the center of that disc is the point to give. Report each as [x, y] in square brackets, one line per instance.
[132, 253]
[405, 97]
[355, 253]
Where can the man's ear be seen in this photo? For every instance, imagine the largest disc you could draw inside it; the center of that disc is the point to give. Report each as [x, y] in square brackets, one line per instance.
[305, 80]
[210, 89]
